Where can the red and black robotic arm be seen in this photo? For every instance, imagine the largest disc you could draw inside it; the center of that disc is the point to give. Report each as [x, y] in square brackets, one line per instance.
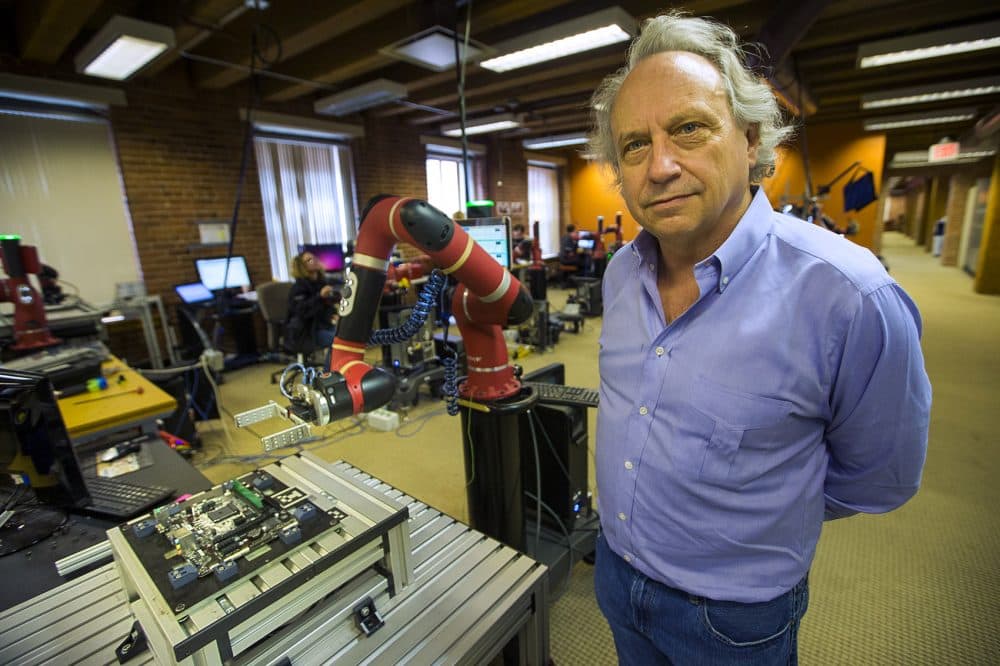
[30, 327]
[487, 297]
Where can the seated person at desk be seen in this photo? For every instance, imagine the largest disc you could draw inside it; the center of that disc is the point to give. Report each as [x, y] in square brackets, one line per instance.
[520, 244]
[571, 252]
[312, 303]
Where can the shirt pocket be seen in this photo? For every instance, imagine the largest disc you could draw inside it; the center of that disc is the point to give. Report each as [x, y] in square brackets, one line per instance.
[735, 417]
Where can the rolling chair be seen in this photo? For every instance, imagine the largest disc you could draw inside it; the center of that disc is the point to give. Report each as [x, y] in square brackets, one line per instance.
[272, 298]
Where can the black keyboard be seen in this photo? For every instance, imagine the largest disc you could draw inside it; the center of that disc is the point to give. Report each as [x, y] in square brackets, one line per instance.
[123, 500]
[559, 394]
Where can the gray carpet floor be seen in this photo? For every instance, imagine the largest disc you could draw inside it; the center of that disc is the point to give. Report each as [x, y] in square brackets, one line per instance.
[917, 586]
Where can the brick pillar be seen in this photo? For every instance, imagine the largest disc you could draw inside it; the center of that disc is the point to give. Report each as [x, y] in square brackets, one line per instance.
[958, 192]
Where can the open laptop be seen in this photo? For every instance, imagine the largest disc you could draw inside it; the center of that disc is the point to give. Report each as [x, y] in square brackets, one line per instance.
[193, 293]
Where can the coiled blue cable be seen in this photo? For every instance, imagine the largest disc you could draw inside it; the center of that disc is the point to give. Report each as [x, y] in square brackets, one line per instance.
[425, 303]
[429, 295]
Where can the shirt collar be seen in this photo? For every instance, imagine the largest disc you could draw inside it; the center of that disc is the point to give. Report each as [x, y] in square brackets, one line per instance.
[734, 252]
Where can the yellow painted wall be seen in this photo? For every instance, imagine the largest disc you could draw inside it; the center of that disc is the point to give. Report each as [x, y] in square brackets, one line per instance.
[832, 148]
[593, 193]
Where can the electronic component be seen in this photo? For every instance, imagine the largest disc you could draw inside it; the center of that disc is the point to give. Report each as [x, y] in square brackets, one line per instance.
[266, 545]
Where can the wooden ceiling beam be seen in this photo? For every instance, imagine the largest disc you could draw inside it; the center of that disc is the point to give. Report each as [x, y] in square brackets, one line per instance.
[46, 27]
[524, 99]
[336, 61]
[203, 20]
[301, 27]
[499, 84]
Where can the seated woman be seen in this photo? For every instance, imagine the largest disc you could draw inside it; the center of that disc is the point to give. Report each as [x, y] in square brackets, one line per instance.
[312, 314]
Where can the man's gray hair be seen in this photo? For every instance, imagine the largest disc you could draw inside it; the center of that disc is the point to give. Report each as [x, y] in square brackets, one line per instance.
[750, 98]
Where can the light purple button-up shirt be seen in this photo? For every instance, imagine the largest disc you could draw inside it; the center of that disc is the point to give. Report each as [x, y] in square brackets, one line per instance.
[792, 390]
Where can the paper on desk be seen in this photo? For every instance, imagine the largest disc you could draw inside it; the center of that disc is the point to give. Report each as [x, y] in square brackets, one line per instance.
[123, 465]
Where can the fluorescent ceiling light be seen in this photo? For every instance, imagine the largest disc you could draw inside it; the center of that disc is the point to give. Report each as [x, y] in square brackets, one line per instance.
[123, 47]
[930, 45]
[917, 119]
[434, 48]
[555, 141]
[359, 98]
[608, 26]
[495, 123]
[935, 93]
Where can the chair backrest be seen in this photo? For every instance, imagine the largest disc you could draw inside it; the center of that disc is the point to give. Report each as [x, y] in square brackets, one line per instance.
[272, 299]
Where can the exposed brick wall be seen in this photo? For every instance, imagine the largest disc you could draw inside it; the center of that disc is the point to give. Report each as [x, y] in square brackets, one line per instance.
[390, 159]
[507, 175]
[180, 161]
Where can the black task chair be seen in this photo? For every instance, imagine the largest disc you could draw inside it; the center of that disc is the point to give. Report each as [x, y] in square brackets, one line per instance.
[272, 298]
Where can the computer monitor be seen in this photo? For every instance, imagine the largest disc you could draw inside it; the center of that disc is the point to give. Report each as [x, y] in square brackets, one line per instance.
[493, 235]
[329, 255]
[585, 243]
[212, 271]
[193, 293]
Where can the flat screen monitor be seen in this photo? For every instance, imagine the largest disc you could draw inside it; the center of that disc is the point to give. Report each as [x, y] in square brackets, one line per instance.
[212, 272]
[193, 293]
[585, 243]
[493, 235]
[329, 255]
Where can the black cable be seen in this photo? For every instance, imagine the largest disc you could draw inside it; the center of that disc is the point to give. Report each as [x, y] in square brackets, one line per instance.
[460, 75]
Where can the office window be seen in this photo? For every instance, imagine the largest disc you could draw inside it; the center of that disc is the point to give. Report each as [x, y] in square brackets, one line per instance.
[307, 189]
[61, 190]
[543, 206]
[446, 183]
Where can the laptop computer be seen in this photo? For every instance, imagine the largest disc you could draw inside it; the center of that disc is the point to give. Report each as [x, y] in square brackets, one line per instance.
[193, 293]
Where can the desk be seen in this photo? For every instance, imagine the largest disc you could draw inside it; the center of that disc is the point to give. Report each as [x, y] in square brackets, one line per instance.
[63, 321]
[120, 405]
[34, 568]
[470, 595]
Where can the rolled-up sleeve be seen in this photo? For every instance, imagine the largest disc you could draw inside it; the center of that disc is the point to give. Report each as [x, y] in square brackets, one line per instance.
[880, 406]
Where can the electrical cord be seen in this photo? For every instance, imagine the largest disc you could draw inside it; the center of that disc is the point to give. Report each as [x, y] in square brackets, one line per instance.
[421, 310]
[538, 482]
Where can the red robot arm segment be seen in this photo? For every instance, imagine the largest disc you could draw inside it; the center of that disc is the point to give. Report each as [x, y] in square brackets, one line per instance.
[487, 297]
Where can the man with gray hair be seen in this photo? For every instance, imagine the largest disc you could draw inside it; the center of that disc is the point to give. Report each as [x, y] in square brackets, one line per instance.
[759, 375]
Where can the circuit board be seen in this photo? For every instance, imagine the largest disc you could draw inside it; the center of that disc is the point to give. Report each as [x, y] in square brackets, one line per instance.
[196, 548]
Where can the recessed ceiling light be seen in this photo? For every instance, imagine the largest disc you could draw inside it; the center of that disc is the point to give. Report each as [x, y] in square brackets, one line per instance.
[122, 47]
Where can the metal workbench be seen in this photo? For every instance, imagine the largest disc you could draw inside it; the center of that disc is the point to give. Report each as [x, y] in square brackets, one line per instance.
[470, 596]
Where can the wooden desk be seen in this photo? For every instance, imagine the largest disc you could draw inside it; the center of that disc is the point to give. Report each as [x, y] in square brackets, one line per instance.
[120, 405]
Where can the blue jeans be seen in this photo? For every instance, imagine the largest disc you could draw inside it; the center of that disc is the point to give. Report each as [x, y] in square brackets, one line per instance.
[323, 336]
[656, 624]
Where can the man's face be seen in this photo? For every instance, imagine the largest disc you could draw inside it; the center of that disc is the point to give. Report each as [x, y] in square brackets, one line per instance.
[684, 161]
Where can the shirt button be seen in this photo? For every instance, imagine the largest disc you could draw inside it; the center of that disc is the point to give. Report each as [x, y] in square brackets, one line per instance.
[725, 279]
[643, 410]
[628, 464]
[627, 558]
[621, 516]
[652, 267]
[659, 351]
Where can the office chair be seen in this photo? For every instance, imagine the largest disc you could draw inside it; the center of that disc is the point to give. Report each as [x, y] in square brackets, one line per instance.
[272, 298]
